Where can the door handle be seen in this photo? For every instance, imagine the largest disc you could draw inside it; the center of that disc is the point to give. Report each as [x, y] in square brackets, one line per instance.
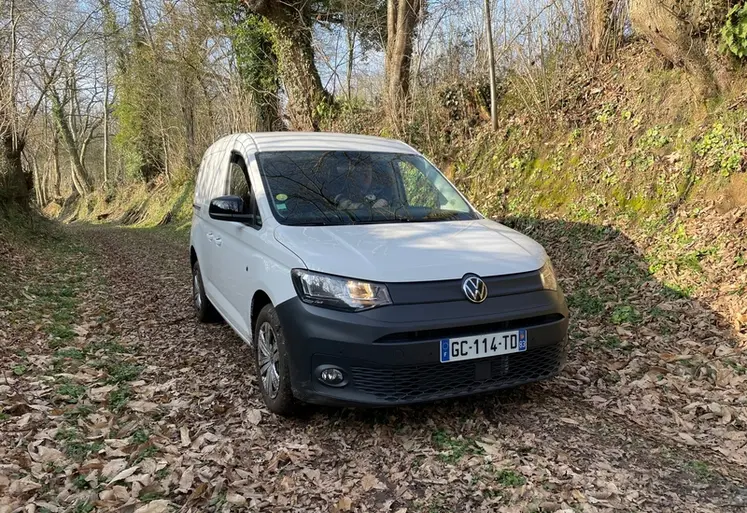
[218, 241]
[209, 236]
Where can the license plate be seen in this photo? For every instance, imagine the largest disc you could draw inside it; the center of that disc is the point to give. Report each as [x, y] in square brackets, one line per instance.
[483, 346]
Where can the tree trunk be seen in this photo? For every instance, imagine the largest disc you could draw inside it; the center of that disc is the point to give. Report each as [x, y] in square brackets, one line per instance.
[402, 18]
[298, 71]
[600, 30]
[80, 176]
[672, 27]
[37, 180]
[14, 186]
[56, 175]
[76, 186]
[45, 182]
[491, 64]
[106, 113]
[188, 102]
[351, 33]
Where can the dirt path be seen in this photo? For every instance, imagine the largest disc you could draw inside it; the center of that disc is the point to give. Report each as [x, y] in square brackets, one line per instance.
[171, 417]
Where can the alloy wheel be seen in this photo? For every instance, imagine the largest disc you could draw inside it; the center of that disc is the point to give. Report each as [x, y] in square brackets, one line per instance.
[196, 289]
[268, 356]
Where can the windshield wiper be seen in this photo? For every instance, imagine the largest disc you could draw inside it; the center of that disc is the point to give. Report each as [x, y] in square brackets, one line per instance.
[314, 223]
[381, 221]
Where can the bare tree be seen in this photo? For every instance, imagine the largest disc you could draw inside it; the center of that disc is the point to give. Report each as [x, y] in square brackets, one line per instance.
[36, 54]
[76, 120]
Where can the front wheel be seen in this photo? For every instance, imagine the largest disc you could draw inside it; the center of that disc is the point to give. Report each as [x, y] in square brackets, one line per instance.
[204, 309]
[273, 374]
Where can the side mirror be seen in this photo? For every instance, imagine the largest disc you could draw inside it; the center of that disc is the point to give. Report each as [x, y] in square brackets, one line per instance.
[229, 208]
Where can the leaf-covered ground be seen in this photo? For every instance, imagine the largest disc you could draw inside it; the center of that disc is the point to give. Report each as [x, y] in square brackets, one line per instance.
[113, 398]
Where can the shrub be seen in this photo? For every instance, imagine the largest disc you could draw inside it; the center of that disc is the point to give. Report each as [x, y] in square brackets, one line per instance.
[734, 32]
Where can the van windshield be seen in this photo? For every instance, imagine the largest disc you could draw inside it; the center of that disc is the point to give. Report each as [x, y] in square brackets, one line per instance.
[349, 187]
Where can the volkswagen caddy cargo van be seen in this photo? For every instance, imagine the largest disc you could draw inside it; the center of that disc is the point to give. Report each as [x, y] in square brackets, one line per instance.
[361, 276]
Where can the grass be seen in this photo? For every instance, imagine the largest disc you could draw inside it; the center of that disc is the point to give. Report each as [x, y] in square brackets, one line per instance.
[83, 507]
[147, 452]
[81, 483]
[71, 353]
[119, 397]
[510, 478]
[151, 496]
[140, 436]
[78, 412]
[71, 392]
[74, 446]
[587, 303]
[61, 333]
[625, 314]
[453, 448]
[676, 291]
[611, 341]
[700, 469]
[120, 372]
[107, 347]
[47, 295]
[739, 369]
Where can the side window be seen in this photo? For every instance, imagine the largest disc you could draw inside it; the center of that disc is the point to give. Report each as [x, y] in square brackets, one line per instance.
[239, 185]
[237, 182]
[419, 191]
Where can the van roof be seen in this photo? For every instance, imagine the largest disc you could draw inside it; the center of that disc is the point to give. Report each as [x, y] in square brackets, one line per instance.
[321, 141]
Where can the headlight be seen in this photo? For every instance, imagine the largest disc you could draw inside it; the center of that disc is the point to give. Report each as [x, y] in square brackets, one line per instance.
[341, 293]
[547, 273]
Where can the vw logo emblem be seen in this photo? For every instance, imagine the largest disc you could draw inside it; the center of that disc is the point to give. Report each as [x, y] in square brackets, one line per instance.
[474, 288]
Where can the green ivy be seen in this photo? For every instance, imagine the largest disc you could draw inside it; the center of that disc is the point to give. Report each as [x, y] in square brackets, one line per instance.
[654, 138]
[722, 149]
[734, 31]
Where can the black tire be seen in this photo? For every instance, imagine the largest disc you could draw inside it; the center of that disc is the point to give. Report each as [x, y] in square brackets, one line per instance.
[271, 351]
[204, 309]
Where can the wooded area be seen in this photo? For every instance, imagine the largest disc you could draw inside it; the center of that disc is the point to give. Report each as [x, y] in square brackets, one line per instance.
[104, 92]
[618, 141]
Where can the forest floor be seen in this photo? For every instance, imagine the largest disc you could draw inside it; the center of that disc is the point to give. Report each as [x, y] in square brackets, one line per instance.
[114, 398]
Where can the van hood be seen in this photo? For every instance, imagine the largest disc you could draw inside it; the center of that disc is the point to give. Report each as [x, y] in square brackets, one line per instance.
[402, 252]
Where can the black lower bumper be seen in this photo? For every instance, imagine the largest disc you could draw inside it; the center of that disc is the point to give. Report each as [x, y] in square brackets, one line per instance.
[391, 355]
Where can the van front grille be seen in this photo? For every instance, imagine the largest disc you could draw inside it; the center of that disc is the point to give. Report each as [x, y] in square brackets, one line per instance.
[442, 380]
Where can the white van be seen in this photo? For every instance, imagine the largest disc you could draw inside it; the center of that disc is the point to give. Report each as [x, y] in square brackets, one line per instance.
[361, 276]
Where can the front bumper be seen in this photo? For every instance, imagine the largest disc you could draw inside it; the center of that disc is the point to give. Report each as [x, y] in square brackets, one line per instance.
[390, 355]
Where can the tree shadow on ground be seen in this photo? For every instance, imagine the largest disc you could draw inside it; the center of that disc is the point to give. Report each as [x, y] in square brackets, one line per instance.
[617, 306]
[641, 355]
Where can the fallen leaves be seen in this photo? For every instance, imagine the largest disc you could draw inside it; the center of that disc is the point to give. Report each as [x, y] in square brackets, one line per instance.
[113, 467]
[123, 474]
[156, 506]
[21, 486]
[184, 436]
[370, 482]
[344, 504]
[254, 416]
[182, 433]
[688, 439]
[186, 480]
[142, 406]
